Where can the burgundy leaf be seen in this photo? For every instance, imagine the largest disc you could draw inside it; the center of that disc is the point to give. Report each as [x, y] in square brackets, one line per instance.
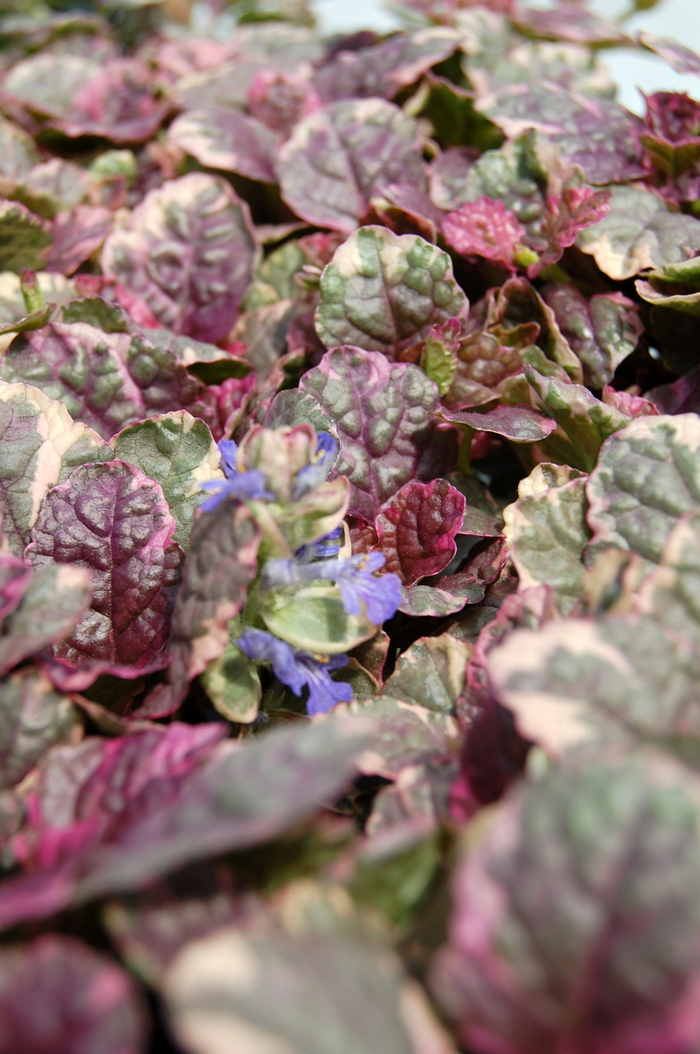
[280, 100]
[113, 520]
[119, 102]
[417, 529]
[341, 155]
[517, 423]
[383, 415]
[679, 397]
[58, 996]
[77, 234]
[14, 579]
[407, 210]
[485, 228]
[188, 251]
[227, 140]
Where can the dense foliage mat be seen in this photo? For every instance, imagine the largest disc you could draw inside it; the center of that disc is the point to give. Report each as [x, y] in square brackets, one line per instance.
[350, 540]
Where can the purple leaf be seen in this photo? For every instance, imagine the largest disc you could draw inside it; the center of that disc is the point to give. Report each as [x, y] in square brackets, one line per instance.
[114, 521]
[449, 593]
[343, 154]
[118, 814]
[383, 416]
[572, 23]
[280, 100]
[227, 140]
[119, 102]
[417, 529]
[544, 950]
[679, 397]
[58, 996]
[520, 424]
[447, 175]
[679, 57]
[14, 579]
[602, 331]
[383, 69]
[50, 607]
[77, 234]
[485, 228]
[407, 210]
[188, 251]
[221, 563]
[108, 380]
[571, 121]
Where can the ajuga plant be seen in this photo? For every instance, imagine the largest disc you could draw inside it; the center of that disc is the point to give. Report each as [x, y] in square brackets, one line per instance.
[350, 542]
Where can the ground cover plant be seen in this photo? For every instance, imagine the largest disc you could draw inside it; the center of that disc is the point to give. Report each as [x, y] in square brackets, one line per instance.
[350, 556]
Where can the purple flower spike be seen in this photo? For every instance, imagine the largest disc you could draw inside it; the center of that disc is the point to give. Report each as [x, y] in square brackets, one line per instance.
[241, 485]
[311, 476]
[297, 669]
[357, 583]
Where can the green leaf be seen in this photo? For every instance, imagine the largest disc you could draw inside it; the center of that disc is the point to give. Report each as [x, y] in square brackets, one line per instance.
[671, 593]
[315, 620]
[23, 237]
[430, 673]
[648, 474]
[548, 534]
[179, 452]
[233, 685]
[33, 716]
[579, 682]
[585, 421]
[639, 233]
[41, 446]
[384, 292]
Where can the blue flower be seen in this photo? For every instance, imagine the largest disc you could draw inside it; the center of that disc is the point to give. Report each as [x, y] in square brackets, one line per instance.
[323, 548]
[355, 578]
[299, 669]
[241, 485]
[312, 476]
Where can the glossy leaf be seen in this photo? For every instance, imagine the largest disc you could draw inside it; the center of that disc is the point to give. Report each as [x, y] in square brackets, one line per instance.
[340, 155]
[382, 414]
[417, 529]
[188, 252]
[114, 521]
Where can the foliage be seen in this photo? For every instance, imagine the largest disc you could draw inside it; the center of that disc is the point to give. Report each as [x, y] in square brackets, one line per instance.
[350, 534]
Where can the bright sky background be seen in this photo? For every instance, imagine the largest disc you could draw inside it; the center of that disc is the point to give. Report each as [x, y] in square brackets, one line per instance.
[671, 18]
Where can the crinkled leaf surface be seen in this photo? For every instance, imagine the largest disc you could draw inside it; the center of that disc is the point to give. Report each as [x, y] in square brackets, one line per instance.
[33, 716]
[87, 1002]
[549, 534]
[228, 140]
[647, 475]
[548, 929]
[602, 331]
[340, 155]
[114, 521]
[188, 251]
[639, 233]
[106, 380]
[597, 134]
[417, 529]
[41, 445]
[584, 421]
[178, 451]
[382, 414]
[384, 292]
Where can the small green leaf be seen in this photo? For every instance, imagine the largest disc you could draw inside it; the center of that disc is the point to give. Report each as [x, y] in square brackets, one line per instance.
[233, 685]
[315, 620]
[179, 452]
[384, 292]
